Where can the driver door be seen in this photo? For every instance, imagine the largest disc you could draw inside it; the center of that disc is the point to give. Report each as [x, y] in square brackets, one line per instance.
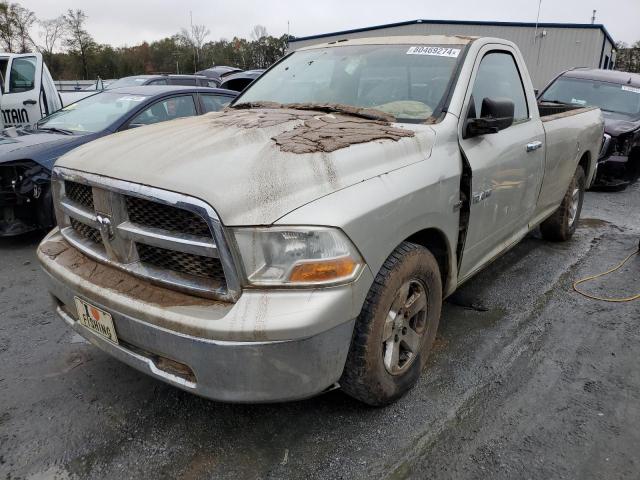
[22, 90]
[506, 167]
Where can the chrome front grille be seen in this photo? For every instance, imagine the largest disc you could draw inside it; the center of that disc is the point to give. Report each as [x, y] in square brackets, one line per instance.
[168, 238]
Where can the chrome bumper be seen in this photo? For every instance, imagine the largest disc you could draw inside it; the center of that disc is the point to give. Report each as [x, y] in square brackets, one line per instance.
[222, 370]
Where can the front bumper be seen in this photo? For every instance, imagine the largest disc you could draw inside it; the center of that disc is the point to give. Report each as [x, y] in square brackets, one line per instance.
[279, 365]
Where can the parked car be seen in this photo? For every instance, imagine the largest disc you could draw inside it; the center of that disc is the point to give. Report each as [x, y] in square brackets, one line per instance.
[219, 72]
[617, 94]
[186, 80]
[26, 157]
[241, 80]
[305, 237]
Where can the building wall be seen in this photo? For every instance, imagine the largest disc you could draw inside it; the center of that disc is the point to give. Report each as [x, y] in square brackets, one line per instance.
[551, 52]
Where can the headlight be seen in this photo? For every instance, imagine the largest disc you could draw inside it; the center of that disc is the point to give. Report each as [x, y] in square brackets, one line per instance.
[297, 256]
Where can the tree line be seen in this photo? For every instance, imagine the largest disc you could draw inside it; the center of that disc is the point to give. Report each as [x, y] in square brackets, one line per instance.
[628, 57]
[70, 51]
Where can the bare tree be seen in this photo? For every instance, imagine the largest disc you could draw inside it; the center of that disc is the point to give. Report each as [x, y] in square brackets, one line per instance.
[23, 20]
[51, 33]
[195, 39]
[7, 26]
[15, 22]
[258, 32]
[78, 40]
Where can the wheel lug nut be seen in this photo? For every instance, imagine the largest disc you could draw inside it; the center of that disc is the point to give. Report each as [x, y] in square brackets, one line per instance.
[397, 339]
[404, 330]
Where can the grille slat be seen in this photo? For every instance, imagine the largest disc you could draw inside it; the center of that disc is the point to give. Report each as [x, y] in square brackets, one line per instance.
[166, 217]
[79, 193]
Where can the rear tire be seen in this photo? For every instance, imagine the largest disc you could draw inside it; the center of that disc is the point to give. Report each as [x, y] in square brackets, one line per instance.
[395, 331]
[560, 226]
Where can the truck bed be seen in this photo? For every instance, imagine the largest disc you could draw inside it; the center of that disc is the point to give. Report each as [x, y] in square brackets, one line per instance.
[551, 111]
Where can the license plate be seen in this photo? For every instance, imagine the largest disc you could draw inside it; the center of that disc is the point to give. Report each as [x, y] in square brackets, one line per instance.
[96, 320]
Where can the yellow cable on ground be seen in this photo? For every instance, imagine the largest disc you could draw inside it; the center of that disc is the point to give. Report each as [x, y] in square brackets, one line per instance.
[592, 277]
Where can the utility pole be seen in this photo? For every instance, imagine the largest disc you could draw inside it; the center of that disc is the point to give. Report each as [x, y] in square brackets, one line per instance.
[195, 66]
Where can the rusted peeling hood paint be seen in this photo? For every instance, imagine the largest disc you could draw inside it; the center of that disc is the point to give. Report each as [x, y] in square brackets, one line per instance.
[231, 160]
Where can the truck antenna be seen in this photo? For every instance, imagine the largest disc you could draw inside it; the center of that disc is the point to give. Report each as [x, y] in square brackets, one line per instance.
[535, 33]
[593, 17]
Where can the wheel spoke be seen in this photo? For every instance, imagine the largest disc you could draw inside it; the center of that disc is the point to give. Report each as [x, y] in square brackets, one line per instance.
[391, 355]
[387, 332]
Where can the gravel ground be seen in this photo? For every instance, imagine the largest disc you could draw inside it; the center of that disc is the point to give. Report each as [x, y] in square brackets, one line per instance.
[529, 380]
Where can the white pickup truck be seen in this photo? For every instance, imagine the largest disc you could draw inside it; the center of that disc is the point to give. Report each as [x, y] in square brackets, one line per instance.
[28, 92]
[305, 237]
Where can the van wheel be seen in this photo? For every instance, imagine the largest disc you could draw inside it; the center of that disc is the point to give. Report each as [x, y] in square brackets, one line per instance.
[395, 330]
[560, 226]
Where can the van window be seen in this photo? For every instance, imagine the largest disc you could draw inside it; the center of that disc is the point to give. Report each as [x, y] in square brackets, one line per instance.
[498, 77]
[22, 75]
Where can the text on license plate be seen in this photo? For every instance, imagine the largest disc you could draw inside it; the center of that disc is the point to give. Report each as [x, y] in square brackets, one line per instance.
[96, 319]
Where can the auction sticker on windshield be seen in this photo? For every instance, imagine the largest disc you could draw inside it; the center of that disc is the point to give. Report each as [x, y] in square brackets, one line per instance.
[434, 51]
[626, 88]
[96, 319]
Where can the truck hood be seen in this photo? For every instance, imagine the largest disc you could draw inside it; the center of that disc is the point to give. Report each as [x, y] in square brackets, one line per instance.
[41, 147]
[235, 165]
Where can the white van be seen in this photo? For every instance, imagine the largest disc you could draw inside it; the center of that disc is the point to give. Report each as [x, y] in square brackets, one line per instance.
[28, 91]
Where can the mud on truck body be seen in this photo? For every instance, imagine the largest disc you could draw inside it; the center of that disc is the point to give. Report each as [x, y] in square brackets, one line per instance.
[305, 237]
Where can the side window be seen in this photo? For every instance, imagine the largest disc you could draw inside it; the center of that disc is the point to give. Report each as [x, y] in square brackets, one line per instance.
[22, 75]
[498, 77]
[168, 109]
[214, 103]
[158, 82]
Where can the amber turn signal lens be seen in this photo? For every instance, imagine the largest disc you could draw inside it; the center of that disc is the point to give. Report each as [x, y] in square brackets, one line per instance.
[323, 271]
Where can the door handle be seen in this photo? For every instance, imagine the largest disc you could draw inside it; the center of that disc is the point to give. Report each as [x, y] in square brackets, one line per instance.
[29, 102]
[532, 146]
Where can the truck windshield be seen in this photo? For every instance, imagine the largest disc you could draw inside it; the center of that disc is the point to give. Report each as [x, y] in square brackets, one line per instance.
[610, 97]
[405, 81]
[92, 114]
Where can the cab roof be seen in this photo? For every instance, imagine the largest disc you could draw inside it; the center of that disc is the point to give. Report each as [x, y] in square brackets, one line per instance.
[398, 40]
[611, 76]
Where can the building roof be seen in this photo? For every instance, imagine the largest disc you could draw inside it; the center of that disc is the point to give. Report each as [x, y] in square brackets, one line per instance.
[596, 26]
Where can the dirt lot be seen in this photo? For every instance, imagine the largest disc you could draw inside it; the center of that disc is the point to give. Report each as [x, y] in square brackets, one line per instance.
[529, 380]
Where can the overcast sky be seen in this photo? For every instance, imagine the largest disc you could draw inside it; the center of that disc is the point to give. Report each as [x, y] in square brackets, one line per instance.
[129, 22]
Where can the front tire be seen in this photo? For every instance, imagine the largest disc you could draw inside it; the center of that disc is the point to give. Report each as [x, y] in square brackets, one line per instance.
[561, 226]
[394, 333]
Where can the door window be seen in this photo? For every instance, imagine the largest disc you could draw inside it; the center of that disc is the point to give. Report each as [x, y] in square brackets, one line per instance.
[498, 77]
[22, 75]
[158, 82]
[168, 109]
[214, 103]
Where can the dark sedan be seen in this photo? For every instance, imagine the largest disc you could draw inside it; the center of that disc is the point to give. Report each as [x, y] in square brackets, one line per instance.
[27, 156]
[618, 96]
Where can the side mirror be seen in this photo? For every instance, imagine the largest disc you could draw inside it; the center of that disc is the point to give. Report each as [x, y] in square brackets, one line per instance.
[496, 115]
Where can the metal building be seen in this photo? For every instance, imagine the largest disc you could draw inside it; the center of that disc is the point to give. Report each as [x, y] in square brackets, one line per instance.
[548, 48]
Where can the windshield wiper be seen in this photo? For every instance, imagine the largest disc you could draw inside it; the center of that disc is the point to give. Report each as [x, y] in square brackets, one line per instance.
[558, 102]
[368, 113]
[55, 130]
